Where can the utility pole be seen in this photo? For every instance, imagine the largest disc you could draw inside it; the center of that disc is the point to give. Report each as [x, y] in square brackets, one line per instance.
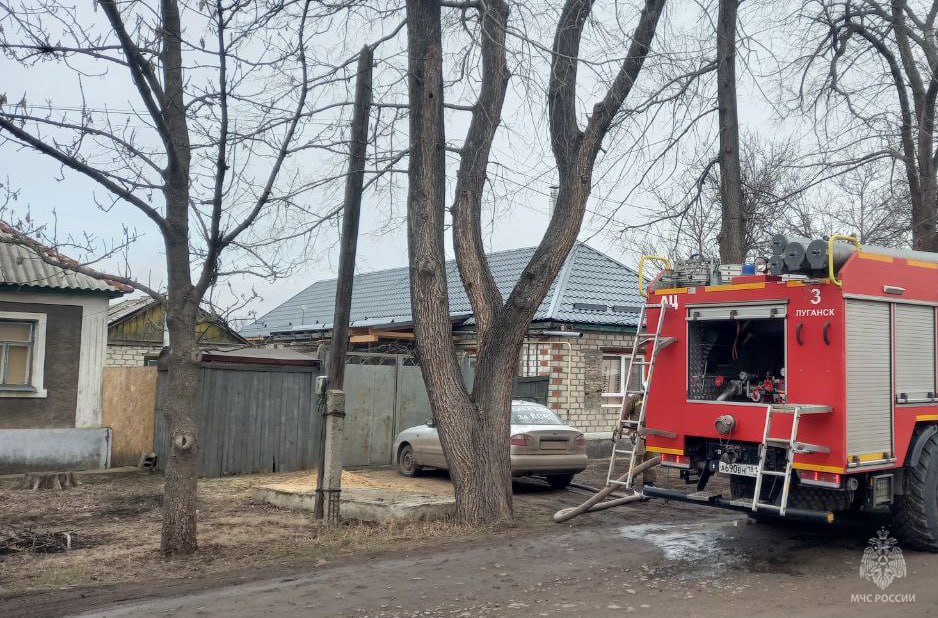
[329, 473]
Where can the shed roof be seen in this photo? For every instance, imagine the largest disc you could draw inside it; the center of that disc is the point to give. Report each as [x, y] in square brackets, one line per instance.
[261, 356]
[21, 266]
[591, 288]
[125, 309]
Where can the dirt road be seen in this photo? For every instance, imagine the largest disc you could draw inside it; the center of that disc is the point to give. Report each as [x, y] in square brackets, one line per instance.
[656, 558]
[681, 564]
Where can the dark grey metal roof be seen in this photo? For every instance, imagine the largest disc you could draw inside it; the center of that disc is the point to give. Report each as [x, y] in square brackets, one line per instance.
[21, 266]
[592, 288]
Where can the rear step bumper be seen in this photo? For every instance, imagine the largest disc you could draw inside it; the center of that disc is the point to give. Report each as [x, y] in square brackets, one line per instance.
[744, 506]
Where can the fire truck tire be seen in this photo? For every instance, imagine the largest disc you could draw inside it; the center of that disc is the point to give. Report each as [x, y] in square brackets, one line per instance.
[915, 514]
[820, 499]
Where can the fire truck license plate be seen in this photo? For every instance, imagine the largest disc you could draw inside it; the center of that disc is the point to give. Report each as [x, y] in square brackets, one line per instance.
[738, 469]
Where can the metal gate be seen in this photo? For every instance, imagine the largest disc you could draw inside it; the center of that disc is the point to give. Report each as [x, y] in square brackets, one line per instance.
[531, 389]
[384, 394]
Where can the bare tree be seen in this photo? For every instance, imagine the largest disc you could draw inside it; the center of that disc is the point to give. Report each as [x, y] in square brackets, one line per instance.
[474, 426]
[208, 154]
[868, 202]
[870, 74]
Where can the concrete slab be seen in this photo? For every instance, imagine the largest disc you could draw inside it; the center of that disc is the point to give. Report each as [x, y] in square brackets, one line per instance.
[378, 505]
[380, 495]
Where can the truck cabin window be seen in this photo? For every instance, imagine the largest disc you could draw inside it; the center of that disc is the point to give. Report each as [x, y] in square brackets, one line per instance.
[736, 360]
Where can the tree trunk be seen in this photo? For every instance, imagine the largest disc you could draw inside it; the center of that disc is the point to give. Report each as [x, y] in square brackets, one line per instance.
[477, 457]
[924, 220]
[182, 306]
[181, 471]
[733, 225]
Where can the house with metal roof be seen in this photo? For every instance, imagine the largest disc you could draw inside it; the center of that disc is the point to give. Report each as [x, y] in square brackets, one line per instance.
[577, 345]
[53, 334]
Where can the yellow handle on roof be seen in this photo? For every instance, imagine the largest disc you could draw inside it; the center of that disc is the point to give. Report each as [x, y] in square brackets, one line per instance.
[830, 254]
[641, 270]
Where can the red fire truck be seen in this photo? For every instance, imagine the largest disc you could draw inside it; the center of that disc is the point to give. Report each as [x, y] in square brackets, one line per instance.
[812, 385]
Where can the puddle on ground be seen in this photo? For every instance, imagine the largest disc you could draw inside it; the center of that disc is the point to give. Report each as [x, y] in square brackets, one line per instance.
[707, 549]
[685, 542]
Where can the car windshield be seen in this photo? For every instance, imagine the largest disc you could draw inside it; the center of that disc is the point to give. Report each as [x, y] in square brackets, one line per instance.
[532, 414]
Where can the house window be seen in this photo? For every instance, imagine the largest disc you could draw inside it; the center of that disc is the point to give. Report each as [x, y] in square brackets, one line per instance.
[615, 367]
[22, 354]
[16, 345]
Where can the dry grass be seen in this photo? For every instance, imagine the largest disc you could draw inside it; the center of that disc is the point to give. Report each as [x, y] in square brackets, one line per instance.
[116, 523]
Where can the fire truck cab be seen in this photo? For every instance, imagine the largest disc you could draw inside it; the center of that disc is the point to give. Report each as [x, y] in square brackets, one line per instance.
[813, 388]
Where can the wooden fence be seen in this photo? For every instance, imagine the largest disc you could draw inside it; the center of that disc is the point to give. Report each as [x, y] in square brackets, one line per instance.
[252, 418]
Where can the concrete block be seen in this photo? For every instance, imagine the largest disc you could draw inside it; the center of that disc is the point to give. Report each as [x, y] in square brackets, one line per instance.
[379, 505]
[65, 449]
[599, 444]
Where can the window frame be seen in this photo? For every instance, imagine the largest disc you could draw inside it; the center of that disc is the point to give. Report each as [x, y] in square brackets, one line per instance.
[623, 369]
[37, 354]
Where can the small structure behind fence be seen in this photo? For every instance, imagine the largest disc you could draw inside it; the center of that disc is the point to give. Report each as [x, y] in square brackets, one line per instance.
[128, 401]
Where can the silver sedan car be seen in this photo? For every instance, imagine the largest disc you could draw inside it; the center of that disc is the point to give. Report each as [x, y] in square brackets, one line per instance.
[541, 445]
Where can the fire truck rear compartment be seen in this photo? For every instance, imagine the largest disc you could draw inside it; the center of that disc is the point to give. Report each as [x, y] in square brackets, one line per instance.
[736, 360]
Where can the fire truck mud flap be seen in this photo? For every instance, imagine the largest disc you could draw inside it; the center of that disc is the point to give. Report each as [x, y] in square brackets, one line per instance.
[744, 506]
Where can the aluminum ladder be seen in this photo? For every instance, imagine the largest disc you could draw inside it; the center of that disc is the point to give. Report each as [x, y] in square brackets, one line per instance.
[791, 445]
[629, 435]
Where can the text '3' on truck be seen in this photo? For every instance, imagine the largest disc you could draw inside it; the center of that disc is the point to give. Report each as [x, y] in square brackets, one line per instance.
[811, 384]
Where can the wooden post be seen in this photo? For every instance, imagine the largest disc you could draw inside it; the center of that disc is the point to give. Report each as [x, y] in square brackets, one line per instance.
[329, 473]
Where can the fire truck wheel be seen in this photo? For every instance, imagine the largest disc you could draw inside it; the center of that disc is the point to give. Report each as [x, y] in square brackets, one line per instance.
[915, 514]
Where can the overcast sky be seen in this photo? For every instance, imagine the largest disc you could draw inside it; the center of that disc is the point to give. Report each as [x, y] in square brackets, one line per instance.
[519, 220]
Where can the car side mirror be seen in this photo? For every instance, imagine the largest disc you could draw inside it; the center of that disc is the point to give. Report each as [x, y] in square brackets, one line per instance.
[431, 422]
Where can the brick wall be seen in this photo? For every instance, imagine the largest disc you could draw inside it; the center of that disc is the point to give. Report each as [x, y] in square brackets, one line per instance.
[119, 355]
[582, 405]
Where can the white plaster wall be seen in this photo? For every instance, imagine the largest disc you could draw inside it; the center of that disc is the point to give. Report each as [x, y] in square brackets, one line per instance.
[93, 347]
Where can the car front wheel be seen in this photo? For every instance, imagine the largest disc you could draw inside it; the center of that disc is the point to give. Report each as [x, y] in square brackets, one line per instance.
[560, 481]
[406, 464]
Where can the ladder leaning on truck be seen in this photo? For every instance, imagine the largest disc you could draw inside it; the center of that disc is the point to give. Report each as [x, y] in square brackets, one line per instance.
[811, 385]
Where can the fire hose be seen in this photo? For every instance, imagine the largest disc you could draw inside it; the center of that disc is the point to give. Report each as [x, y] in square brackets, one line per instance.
[595, 503]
